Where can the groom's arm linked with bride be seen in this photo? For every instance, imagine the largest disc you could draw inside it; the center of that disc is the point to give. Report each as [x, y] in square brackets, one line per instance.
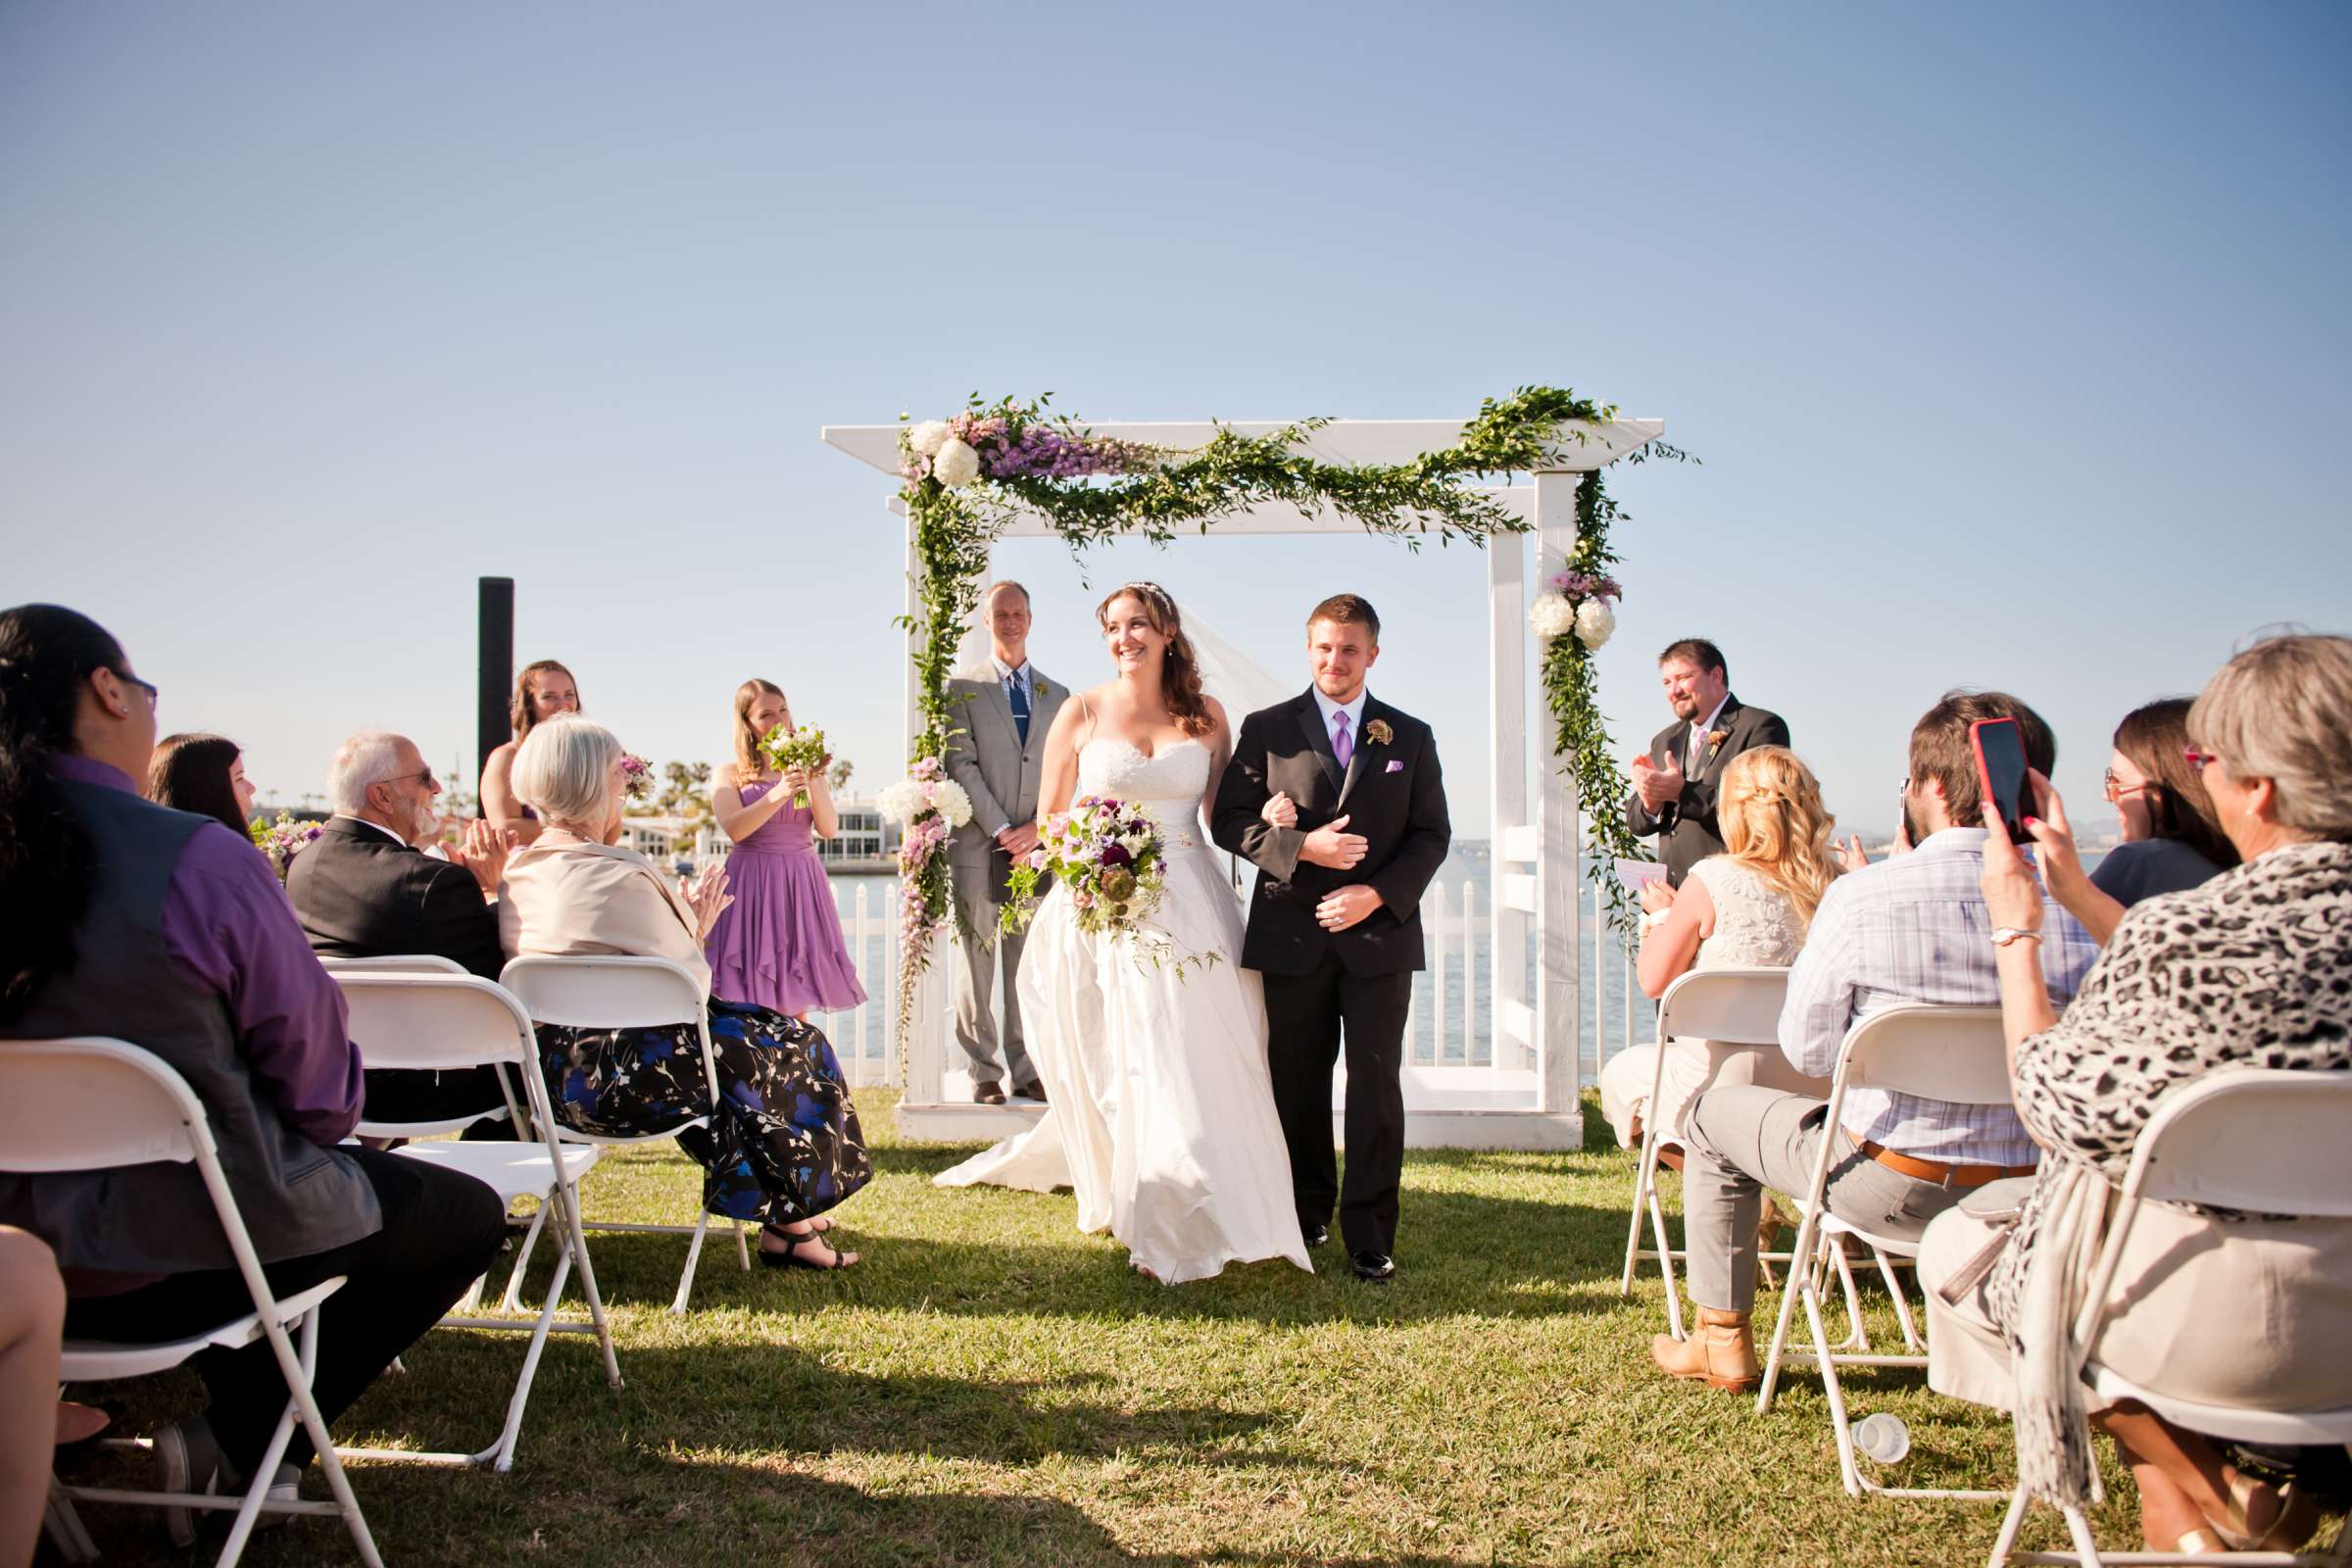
[1335, 932]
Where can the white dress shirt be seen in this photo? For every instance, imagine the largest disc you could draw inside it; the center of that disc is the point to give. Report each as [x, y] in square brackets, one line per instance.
[1694, 743]
[345, 817]
[1355, 711]
[1915, 928]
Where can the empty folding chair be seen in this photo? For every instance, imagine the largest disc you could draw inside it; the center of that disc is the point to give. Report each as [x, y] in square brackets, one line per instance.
[621, 993]
[93, 1104]
[1939, 1052]
[2257, 1140]
[430, 1021]
[1732, 1007]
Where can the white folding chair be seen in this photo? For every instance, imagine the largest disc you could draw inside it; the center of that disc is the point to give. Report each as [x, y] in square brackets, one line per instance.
[398, 963]
[93, 1104]
[2259, 1139]
[1956, 1054]
[459, 1020]
[621, 993]
[1732, 1007]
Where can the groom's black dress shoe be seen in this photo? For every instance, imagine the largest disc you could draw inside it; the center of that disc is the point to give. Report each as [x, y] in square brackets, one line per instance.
[1377, 1267]
[1317, 1234]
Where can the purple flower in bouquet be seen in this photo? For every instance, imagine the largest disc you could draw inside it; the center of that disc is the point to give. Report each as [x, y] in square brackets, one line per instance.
[1116, 853]
[1579, 586]
[639, 775]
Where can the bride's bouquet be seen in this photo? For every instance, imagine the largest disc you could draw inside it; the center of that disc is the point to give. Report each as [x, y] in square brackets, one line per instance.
[804, 748]
[281, 840]
[1112, 855]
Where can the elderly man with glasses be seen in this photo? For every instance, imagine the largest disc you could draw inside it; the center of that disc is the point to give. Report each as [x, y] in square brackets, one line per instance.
[365, 889]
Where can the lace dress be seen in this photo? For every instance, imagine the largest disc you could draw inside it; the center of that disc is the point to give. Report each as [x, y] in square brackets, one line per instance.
[1754, 926]
[1162, 1114]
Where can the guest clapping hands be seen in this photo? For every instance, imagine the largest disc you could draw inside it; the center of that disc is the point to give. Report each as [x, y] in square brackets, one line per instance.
[782, 1145]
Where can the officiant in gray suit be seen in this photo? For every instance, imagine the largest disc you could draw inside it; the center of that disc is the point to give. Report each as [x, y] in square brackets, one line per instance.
[996, 754]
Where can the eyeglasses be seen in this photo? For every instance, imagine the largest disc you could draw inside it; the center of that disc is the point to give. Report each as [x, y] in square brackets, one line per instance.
[2199, 759]
[430, 782]
[2117, 789]
[147, 686]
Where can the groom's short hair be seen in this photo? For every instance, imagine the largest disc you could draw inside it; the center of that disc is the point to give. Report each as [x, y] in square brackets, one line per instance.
[1349, 610]
[1700, 652]
[1000, 585]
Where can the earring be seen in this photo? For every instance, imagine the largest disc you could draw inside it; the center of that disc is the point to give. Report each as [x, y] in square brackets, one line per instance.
[122, 711]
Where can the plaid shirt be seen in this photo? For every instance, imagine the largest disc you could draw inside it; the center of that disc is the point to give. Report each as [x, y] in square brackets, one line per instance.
[1914, 928]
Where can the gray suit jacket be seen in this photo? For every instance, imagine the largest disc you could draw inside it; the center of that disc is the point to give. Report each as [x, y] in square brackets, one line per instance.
[1687, 829]
[988, 757]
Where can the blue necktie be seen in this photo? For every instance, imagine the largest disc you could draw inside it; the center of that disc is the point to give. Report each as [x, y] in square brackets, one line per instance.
[1018, 695]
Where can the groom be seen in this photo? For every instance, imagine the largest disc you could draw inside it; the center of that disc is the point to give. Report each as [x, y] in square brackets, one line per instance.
[1337, 799]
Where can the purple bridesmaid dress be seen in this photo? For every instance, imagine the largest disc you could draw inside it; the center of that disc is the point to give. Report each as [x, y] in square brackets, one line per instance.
[779, 943]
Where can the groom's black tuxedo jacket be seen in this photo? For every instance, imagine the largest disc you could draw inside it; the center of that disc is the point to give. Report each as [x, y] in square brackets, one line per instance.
[1392, 793]
[1687, 829]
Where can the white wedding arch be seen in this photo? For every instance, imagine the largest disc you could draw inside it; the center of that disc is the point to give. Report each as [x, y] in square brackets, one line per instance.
[1527, 1099]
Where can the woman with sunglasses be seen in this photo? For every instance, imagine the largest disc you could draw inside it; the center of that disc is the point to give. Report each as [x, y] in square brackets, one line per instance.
[2171, 840]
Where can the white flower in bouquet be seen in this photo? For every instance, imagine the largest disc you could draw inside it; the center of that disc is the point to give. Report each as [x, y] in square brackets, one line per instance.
[957, 465]
[1596, 621]
[900, 802]
[1552, 616]
[928, 437]
[952, 803]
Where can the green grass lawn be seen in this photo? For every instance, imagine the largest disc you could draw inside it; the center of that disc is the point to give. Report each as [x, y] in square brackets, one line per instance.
[991, 1386]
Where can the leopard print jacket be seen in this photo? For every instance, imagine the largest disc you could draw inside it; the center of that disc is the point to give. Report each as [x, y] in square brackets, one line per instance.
[2252, 969]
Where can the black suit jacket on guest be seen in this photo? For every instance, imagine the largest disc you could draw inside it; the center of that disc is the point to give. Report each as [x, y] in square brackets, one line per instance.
[1686, 826]
[1392, 792]
[360, 894]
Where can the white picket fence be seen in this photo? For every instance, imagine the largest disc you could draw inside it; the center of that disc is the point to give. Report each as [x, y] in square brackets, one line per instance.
[1448, 1026]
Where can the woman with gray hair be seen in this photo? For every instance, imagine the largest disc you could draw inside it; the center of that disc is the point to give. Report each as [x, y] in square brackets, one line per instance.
[2253, 968]
[782, 1145]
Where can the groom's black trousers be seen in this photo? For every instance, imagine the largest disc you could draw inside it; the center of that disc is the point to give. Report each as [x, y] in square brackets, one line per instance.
[1305, 1015]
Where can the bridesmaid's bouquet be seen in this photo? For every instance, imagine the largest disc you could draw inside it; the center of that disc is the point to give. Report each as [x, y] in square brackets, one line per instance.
[804, 748]
[280, 840]
[640, 776]
[1112, 857]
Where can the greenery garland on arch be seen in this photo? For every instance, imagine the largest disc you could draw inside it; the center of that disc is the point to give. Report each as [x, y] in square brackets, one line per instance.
[967, 477]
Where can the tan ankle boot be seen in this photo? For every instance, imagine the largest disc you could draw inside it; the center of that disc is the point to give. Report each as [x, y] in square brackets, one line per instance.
[1721, 1352]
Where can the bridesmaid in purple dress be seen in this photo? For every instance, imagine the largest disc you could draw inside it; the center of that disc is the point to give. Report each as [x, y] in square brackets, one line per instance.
[779, 943]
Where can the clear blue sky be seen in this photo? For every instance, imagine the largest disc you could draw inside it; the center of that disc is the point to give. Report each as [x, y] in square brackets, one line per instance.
[2014, 337]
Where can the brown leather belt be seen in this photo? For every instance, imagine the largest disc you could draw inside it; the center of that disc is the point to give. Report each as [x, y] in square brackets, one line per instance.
[1935, 1170]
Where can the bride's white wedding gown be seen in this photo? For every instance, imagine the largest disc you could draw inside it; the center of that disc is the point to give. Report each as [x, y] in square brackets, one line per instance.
[1161, 1116]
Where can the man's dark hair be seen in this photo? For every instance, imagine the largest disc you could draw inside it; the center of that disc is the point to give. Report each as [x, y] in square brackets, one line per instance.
[1700, 652]
[1939, 748]
[1349, 610]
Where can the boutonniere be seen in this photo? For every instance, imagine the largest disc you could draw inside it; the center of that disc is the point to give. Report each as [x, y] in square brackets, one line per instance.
[1037, 688]
[1379, 733]
[1715, 740]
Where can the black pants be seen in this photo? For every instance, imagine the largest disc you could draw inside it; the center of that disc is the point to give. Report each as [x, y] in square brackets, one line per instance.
[1306, 1016]
[413, 1093]
[441, 1230]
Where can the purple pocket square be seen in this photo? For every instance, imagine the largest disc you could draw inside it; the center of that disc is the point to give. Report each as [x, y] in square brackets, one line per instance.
[1394, 768]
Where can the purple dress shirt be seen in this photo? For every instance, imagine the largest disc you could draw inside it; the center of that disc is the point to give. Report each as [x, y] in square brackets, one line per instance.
[227, 925]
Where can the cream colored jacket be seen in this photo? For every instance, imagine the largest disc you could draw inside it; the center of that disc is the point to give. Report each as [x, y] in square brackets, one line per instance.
[563, 897]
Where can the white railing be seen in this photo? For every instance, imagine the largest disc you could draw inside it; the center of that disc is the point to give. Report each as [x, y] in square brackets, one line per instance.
[1449, 1025]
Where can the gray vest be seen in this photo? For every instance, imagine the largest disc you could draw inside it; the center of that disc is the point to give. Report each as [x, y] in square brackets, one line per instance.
[297, 1197]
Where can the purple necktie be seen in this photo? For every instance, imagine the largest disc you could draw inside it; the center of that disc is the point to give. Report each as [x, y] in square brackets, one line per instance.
[1340, 746]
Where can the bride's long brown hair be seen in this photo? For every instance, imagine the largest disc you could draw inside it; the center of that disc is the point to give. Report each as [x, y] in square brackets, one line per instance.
[1180, 675]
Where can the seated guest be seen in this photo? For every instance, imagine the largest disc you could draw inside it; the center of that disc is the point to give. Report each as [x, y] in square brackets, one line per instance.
[1746, 906]
[32, 1319]
[782, 1146]
[2246, 970]
[1911, 928]
[543, 690]
[204, 774]
[2171, 841]
[363, 889]
[123, 918]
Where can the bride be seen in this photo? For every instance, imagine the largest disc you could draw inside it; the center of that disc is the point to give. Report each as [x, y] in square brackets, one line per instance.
[1160, 1114]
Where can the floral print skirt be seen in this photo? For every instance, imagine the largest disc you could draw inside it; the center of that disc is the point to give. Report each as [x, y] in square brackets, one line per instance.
[783, 1141]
